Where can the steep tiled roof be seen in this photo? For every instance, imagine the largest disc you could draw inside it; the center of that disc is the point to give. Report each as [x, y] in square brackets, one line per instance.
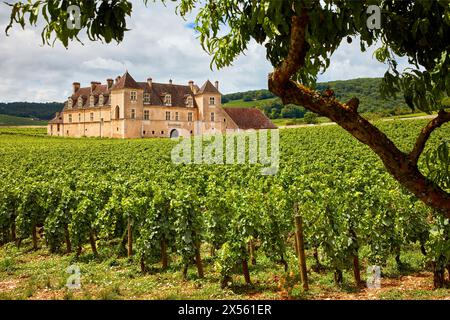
[208, 87]
[249, 118]
[157, 91]
[126, 81]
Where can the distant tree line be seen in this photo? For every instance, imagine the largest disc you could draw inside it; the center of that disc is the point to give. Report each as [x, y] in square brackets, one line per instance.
[248, 95]
[44, 111]
[365, 89]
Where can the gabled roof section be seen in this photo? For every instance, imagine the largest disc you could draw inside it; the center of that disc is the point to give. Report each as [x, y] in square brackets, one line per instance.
[178, 93]
[126, 82]
[249, 118]
[208, 87]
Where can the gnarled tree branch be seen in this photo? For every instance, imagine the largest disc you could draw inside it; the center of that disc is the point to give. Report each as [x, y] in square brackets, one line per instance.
[425, 134]
[297, 49]
[399, 164]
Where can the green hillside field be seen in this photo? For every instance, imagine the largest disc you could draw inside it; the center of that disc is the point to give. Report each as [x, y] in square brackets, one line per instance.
[7, 120]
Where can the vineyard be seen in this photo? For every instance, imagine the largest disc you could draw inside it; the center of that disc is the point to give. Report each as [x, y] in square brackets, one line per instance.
[124, 199]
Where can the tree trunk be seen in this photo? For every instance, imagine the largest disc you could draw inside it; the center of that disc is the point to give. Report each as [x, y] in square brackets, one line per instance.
[301, 248]
[164, 258]
[67, 237]
[79, 249]
[143, 268]
[212, 251]
[245, 271]
[338, 277]
[317, 266]
[284, 263]
[438, 276]
[130, 238]
[198, 261]
[13, 232]
[422, 249]
[224, 282]
[356, 271]
[34, 236]
[251, 246]
[185, 271]
[92, 241]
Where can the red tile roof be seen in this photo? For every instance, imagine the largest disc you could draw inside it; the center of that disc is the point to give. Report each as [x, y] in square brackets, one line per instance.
[178, 93]
[208, 87]
[249, 118]
[126, 81]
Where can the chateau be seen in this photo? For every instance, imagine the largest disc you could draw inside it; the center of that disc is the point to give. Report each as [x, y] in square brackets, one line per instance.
[124, 108]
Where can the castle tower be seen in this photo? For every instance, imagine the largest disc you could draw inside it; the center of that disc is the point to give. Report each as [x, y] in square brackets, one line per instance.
[126, 107]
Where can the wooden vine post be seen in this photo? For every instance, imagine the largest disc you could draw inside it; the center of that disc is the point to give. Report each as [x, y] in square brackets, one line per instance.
[300, 247]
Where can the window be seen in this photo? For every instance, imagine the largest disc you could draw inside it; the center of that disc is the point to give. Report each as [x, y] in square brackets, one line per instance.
[92, 101]
[146, 114]
[80, 102]
[133, 113]
[57, 127]
[117, 113]
[69, 103]
[101, 100]
[146, 98]
[212, 116]
[70, 118]
[79, 117]
[190, 116]
[176, 116]
[92, 116]
[212, 101]
[167, 115]
[189, 102]
[162, 132]
[153, 132]
[167, 100]
[133, 96]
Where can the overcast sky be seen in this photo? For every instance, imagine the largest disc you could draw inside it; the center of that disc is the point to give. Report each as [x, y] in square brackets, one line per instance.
[160, 45]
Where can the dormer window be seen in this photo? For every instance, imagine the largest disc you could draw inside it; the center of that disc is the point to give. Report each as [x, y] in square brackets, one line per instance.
[167, 100]
[69, 103]
[212, 101]
[146, 98]
[133, 96]
[101, 100]
[92, 101]
[189, 102]
[80, 102]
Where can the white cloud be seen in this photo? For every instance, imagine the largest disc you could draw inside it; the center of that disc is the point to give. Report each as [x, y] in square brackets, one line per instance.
[106, 64]
[160, 45]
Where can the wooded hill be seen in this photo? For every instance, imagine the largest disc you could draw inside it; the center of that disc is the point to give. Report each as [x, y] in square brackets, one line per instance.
[43, 111]
[366, 89]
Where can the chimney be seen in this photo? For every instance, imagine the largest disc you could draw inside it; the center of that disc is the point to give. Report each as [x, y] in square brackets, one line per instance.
[93, 85]
[191, 85]
[118, 79]
[217, 85]
[76, 87]
[110, 83]
[170, 81]
[150, 82]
